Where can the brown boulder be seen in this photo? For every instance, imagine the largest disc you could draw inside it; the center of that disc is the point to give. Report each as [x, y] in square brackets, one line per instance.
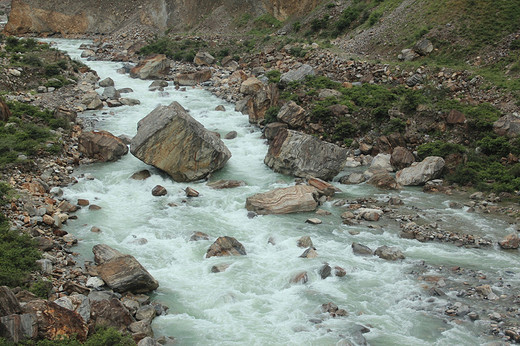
[508, 125]
[122, 273]
[110, 313]
[5, 113]
[171, 140]
[292, 115]
[159, 190]
[102, 146]
[323, 187]
[194, 78]
[155, 66]
[401, 158]
[225, 184]
[55, 321]
[203, 58]
[8, 303]
[512, 241]
[261, 101]
[273, 129]
[455, 117]
[384, 180]
[294, 199]
[141, 175]
[251, 86]
[226, 246]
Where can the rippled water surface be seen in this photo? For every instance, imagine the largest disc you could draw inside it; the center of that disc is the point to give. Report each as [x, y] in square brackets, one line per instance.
[252, 302]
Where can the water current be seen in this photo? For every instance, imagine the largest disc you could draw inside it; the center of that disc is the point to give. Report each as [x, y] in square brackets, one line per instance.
[253, 301]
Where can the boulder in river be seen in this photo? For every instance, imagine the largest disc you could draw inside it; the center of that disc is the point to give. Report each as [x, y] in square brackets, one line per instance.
[389, 253]
[155, 66]
[122, 273]
[512, 241]
[226, 246]
[293, 199]
[102, 146]
[419, 173]
[362, 250]
[303, 155]
[171, 140]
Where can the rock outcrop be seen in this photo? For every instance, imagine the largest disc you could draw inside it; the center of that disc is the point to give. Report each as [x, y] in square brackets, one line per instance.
[303, 155]
[102, 146]
[69, 17]
[294, 199]
[122, 273]
[508, 125]
[171, 140]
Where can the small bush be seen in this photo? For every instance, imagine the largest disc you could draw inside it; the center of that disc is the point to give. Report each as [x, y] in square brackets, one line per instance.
[41, 288]
[273, 76]
[439, 148]
[497, 147]
[108, 337]
[271, 114]
[296, 26]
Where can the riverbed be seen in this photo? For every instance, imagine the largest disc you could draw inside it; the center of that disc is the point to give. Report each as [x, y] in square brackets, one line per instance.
[253, 301]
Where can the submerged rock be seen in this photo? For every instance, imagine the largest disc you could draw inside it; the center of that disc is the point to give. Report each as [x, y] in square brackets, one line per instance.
[171, 140]
[389, 253]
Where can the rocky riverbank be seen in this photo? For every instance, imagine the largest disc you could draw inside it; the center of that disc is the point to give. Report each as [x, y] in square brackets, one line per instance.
[41, 211]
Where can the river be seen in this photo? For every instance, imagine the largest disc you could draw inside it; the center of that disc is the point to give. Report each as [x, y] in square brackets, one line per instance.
[252, 302]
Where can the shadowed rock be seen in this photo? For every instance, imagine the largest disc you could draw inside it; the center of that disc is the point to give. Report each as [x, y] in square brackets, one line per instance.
[102, 146]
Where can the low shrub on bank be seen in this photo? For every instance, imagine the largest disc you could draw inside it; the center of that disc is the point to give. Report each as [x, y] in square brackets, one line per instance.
[18, 253]
[28, 132]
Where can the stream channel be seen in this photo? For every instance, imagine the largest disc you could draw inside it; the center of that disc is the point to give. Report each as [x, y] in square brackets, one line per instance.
[253, 301]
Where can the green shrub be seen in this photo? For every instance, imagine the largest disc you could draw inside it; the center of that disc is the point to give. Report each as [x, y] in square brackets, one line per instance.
[515, 45]
[41, 288]
[439, 148]
[273, 76]
[396, 125]
[498, 146]
[109, 337]
[271, 114]
[18, 255]
[32, 60]
[296, 26]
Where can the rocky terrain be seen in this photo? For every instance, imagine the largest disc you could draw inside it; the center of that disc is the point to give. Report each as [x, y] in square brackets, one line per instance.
[285, 104]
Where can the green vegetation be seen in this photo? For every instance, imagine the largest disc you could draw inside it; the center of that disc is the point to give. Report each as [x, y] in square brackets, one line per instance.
[184, 50]
[439, 148]
[273, 76]
[28, 132]
[265, 24]
[41, 288]
[271, 114]
[18, 253]
[105, 336]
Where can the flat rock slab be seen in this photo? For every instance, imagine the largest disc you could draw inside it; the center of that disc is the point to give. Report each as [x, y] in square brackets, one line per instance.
[170, 139]
[294, 199]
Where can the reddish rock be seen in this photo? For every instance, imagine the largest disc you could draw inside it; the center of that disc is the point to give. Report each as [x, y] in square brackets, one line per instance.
[155, 66]
[83, 202]
[55, 321]
[190, 192]
[159, 190]
[455, 117]
[110, 313]
[512, 241]
[102, 146]
[141, 175]
[190, 79]
[5, 113]
[401, 158]
[323, 187]
[339, 272]
[300, 278]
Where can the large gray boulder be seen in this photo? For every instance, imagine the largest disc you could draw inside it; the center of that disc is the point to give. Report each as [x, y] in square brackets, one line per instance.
[303, 155]
[122, 273]
[298, 74]
[171, 140]
[102, 146]
[419, 173]
[294, 199]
